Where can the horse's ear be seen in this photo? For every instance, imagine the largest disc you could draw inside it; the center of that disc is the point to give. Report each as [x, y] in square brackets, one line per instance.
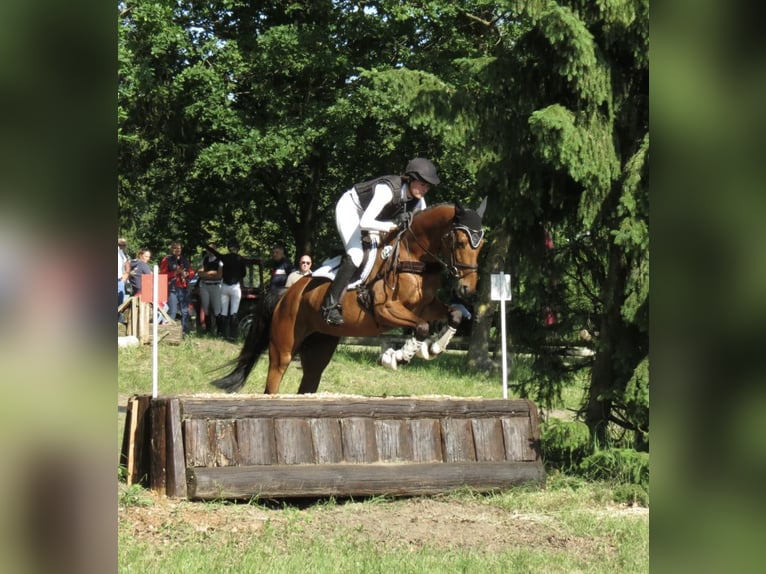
[483, 207]
[459, 209]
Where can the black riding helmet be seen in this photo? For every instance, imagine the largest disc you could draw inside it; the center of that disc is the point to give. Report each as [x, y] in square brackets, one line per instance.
[422, 169]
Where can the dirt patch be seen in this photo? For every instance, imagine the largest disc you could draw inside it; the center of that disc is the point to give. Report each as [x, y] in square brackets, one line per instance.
[407, 523]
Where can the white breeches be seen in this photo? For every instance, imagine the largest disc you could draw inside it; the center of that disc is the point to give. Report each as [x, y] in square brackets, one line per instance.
[230, 294]
[347, 216]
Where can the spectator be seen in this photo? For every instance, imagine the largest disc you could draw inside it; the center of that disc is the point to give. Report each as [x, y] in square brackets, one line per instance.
[234, 272]
[122, 274]
[179, 271]
[210, 273]
[304, 268]
[280, 269]
[139, 266]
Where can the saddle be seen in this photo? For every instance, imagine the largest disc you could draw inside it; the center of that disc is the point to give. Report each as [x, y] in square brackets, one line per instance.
[330, 266]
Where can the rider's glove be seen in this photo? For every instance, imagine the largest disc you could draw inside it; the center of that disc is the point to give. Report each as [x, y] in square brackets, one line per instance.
[402, 220]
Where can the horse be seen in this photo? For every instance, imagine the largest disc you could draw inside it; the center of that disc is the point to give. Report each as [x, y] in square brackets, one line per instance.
[400, 291]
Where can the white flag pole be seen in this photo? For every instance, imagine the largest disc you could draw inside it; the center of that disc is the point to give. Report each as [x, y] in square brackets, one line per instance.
[505, 363]
[155, 311]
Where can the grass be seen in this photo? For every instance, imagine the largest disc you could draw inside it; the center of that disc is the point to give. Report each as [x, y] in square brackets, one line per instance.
[569, 526]
[189, 367]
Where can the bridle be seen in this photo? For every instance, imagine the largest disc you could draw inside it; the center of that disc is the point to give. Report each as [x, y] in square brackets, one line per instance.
[456, 269]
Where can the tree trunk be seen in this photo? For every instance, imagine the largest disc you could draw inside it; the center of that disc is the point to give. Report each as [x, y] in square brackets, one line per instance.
[603, 374]
[485, 309]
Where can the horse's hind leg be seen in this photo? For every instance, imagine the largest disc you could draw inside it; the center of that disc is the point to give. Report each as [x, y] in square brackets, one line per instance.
[278, 363]
[316, 352]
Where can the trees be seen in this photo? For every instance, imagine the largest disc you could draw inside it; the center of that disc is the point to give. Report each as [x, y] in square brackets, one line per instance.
[563, 127]
[252, 118]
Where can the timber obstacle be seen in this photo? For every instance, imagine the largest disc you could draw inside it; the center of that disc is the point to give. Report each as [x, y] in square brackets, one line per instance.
[287, 446]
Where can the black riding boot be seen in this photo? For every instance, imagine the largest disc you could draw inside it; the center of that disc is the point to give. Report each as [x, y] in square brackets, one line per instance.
[231, 328]
[331, 309]
[220, 324]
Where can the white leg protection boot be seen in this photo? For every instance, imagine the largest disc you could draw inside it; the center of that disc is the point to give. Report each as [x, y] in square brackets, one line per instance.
[391, 358]
[436, 345]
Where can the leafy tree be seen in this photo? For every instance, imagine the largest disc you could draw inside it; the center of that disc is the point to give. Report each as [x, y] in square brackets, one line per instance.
[250, 118]
[562, 134]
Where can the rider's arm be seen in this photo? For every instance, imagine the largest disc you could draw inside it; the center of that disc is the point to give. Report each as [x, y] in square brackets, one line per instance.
[382, 196]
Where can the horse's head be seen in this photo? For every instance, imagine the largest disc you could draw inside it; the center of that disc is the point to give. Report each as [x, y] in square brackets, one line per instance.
[465, 240]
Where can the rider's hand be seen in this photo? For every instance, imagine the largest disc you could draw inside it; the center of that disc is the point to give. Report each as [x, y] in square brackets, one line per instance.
[402, 220]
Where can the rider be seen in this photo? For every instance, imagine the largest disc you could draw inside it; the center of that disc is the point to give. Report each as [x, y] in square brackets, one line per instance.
[379, 205]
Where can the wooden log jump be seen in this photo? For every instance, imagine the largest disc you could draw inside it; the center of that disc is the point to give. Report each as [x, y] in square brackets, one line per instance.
[219, 447]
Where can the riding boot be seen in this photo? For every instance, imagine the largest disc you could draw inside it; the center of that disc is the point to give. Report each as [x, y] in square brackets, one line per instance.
[331, 309]
[208, 324]
[231, 328]
[220, 323]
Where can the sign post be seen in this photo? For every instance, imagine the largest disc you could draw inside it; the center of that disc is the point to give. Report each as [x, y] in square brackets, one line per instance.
[501, 291]
[155, 313]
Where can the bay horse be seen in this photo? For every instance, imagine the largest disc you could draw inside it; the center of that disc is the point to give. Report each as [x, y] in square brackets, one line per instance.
[400, 291]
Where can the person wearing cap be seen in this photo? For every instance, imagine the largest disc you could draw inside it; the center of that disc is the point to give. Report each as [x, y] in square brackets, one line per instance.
[378, 206]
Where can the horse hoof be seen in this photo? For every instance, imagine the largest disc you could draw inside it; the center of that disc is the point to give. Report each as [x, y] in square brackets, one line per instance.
[387, 359]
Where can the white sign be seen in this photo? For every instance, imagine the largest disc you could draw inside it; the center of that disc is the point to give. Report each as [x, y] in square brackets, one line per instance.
[501, 287]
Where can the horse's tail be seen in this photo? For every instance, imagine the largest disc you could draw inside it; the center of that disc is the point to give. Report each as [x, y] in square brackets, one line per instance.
[256, 342]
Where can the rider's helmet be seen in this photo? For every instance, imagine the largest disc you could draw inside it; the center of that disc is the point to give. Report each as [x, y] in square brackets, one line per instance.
[422, 169]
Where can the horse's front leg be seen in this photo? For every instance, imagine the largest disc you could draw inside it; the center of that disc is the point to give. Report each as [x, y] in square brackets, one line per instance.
[438, 344]
[397, 314]
[420, 345]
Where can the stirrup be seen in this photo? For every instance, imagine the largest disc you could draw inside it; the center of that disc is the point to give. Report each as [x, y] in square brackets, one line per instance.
[332, 315]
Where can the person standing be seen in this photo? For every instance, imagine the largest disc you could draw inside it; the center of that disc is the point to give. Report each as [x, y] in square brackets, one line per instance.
[122, 274]
[234, 272]
[139, 266]
[179, 271]
[379, 205]
[280, 269]
[210, 273]
[304, 268]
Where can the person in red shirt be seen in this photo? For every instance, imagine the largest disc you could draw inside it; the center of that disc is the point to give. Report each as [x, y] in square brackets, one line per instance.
[179, 272]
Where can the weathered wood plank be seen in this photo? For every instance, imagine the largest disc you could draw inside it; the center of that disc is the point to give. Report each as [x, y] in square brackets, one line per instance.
[158, 467]
[294, 444]
[176, 471]
[488, 440]
[225, 450]
[457, 440]
[519, 444]
[326, 437]
[394, 440]
[359, 443]
[136, 443]
[337, 408]
[257, 443]
[197, 443]
[426, 440]
[356, 479]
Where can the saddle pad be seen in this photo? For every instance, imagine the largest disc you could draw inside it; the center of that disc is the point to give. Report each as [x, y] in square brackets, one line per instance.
[330, 266]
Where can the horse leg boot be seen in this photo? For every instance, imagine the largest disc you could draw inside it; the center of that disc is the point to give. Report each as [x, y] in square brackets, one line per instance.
[331, 308]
